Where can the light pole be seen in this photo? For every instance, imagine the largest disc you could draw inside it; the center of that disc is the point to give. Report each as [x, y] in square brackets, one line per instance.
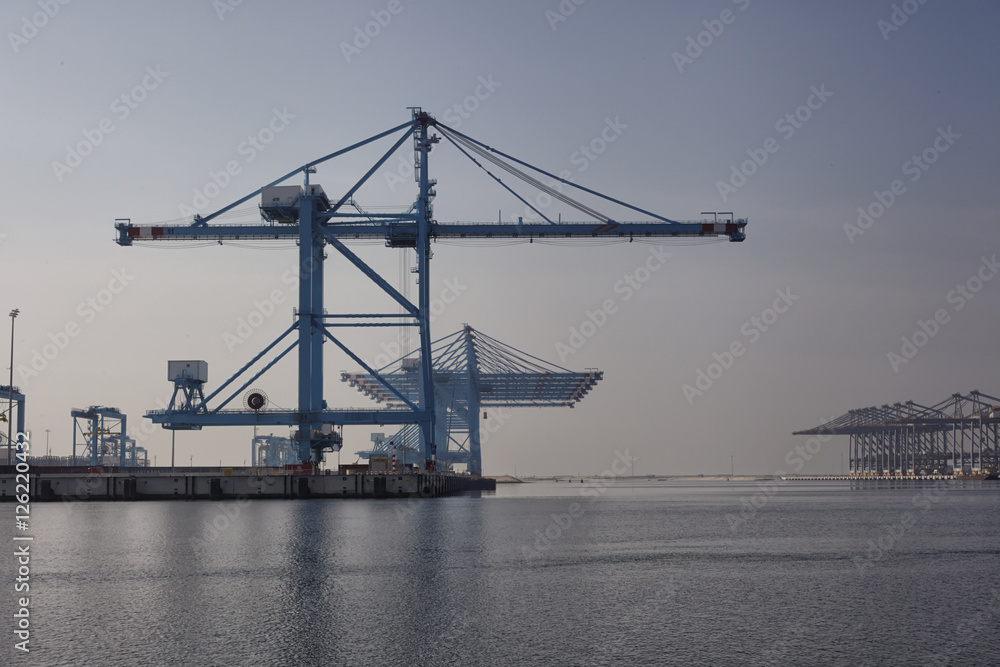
[47, 431]
[10, 385]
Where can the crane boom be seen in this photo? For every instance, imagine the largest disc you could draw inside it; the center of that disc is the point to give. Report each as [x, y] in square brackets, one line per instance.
[400, 233]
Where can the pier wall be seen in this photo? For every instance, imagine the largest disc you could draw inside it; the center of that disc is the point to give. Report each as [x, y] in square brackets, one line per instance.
[125, 486]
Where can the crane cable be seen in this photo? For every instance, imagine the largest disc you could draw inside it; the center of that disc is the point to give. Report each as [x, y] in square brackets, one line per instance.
[555, 194]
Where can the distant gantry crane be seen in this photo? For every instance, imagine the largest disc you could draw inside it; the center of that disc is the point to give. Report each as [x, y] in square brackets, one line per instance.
[100, 430]
[471, 371]
[960, 436]
[273, 451]
[133, 456]
[306, 214]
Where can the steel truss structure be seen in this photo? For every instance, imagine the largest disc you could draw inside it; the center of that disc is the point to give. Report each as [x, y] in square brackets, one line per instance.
[133, 456]
[273, 451]
[317, 222]
[13, 400]
[472, 371]
[101, 430]
[958, 436]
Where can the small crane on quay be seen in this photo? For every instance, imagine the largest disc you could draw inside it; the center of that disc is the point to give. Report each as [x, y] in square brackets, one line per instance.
[306, 214]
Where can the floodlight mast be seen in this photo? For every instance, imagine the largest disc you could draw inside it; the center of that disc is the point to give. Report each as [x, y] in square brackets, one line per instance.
[315, 222]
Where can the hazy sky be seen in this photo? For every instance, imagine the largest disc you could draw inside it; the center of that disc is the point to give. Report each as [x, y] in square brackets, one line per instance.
[835, 101]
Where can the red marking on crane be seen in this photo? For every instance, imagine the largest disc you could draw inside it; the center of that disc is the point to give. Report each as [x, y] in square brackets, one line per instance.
[133, 232]
[157, 232]
[604, 228]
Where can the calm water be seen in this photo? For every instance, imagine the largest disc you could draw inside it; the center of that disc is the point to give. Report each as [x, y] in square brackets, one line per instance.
[536, 574]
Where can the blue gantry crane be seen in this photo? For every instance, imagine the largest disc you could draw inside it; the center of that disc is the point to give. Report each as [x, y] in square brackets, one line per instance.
[100, 429]
[273, 451]
[13, 400]
[307, 215]
[472, 371]
[131, 455]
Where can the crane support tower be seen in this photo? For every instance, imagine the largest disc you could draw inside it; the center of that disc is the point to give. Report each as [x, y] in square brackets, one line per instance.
[307, 215]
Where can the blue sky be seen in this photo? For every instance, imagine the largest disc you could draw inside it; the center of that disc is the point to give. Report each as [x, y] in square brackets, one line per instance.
[163, 96]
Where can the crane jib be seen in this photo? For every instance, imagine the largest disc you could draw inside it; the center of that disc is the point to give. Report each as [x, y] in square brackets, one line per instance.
[403, 234]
